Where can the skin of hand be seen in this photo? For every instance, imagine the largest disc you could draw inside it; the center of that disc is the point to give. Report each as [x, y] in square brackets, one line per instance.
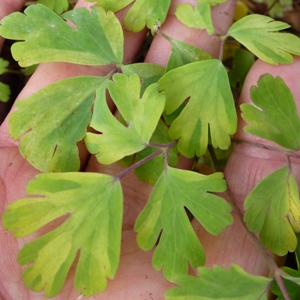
[136, 278]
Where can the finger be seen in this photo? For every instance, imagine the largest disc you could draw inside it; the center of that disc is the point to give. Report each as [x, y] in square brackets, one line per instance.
[145, 279]
[256, 162]
[222, 15]
[48, 73]
[246, 167]
[15, 172]
[139, 193]
[159, 53]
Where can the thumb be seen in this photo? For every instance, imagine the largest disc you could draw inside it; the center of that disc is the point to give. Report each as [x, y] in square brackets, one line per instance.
[247, 166]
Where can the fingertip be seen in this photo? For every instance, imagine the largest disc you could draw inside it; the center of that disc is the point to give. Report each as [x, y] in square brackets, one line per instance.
[289, 73]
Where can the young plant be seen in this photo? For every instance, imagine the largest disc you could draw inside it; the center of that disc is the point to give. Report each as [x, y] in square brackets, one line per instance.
[186, 108]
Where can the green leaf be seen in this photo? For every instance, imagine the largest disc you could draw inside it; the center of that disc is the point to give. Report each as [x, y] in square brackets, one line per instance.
[297, 250]
[142, 13]
[278, 9]
[146, 13]
[3, 65]
[149, 73]
[259, 34]
[29, 70]
[291, 275]
[292, 287]
[164, 217]
[58, 6]
[273, 210]
[141, 115]
[273, 102]
[219, 283]
[183, 53]
[87, 201]
[4, 92]
[171, 117]
[97, 39]
[151, 170]
[52, 121]
[210, 108]
[196, 17]
[242, 62]
[112, 5]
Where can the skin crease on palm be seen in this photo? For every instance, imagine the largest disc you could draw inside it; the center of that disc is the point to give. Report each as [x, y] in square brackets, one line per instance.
[136, 278]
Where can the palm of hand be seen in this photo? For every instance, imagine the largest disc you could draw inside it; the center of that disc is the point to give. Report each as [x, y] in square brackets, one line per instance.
[136, 278]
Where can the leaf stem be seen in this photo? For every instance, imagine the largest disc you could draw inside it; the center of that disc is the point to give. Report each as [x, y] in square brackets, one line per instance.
[270, 7]
[266, 147]
[147, 158]
[11, 71]
[137, 164]
[269, 261]
[221, 49]
[282, 287]
[162, 34]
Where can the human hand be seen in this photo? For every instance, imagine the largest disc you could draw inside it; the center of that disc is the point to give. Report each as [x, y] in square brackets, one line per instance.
[136, 278]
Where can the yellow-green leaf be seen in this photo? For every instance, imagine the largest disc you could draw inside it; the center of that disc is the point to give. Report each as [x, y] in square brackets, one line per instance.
[210, 108]
[164, 218]
[273, 210]
[220, 283]
[141, 114]
[44, 36]
[260, 35]
[274, 116]
[87, 201]
[52, 121]
[197, 17]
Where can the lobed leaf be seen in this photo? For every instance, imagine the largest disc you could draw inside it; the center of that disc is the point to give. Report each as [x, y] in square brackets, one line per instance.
[52, 121]
[87, 201]
[141, 115]
[196, 17]
[59, 6]
[273, 210]
[112, 5]
[4, 92]
[142, 13]
[210, 107]
[149, 73]
[183, 53]
[97, 39]
[151, 170]
[146, 13]
[273, 102]
[259, 34]
[164, 217]
[220, 283]
[3, 65]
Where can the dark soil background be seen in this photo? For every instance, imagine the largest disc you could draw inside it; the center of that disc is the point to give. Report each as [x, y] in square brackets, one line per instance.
[14, 80]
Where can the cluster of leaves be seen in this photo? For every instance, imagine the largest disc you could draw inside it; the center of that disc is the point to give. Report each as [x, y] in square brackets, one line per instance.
[156, 124]
[59, 6]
